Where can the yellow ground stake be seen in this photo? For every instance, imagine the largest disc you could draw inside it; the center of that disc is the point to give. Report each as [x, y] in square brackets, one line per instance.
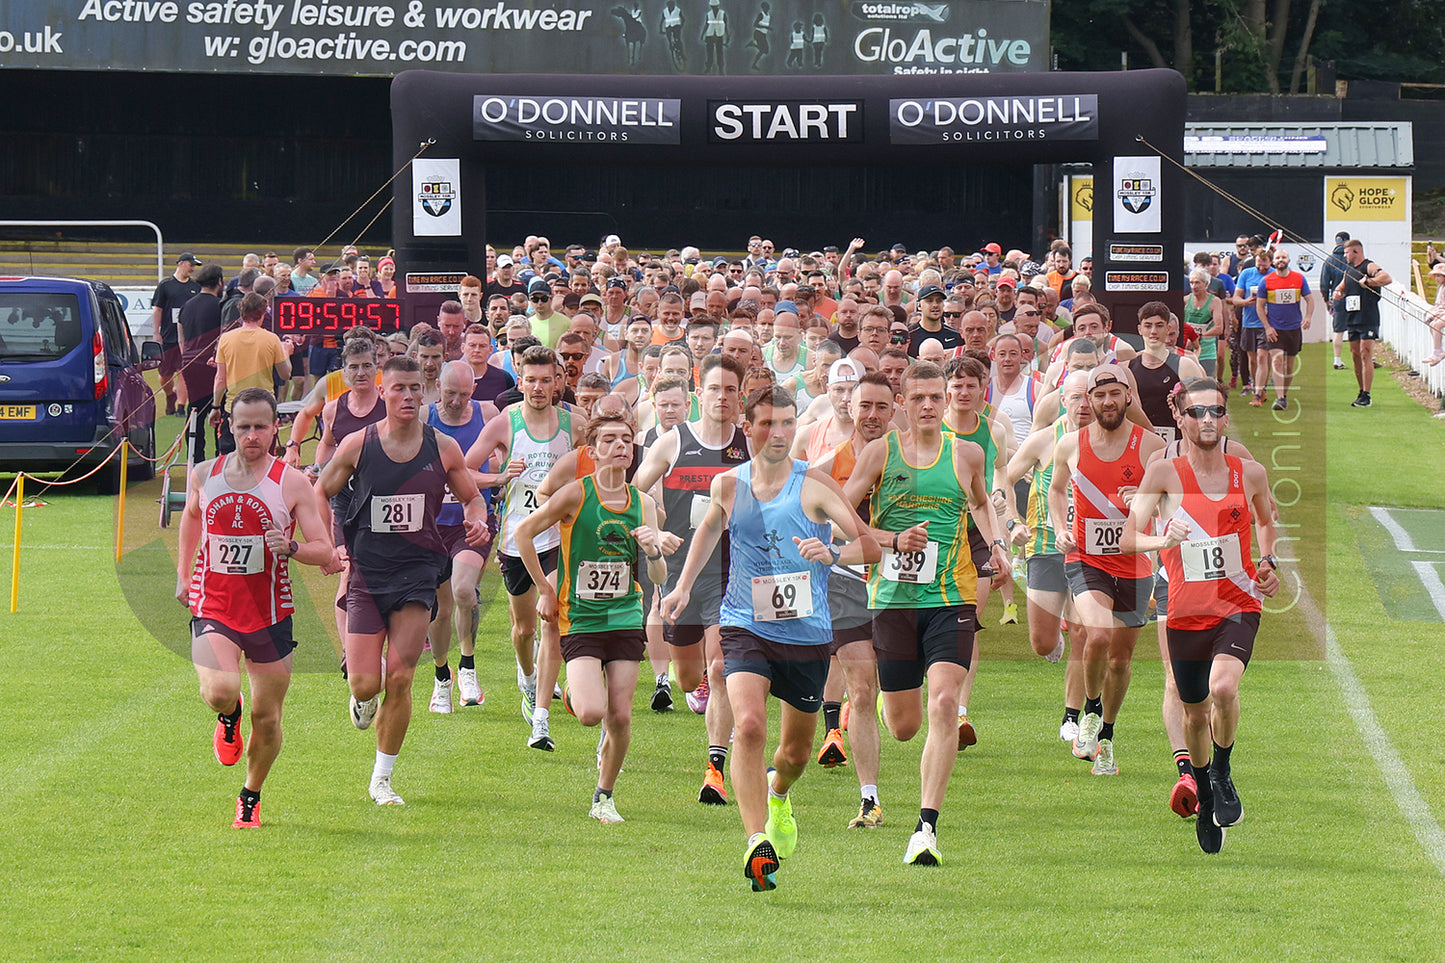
[120, 511]
[15, 554]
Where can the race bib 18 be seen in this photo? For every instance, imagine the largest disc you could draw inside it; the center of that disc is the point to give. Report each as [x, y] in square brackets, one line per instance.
[1211, 559]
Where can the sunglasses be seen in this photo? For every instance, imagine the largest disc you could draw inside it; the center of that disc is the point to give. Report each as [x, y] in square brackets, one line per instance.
[1199, 411]
[572, 356]
[900, 337]
[539, 298]
[953, 314]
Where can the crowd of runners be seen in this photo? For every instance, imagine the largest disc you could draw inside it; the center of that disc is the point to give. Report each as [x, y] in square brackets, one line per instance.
[789, 475]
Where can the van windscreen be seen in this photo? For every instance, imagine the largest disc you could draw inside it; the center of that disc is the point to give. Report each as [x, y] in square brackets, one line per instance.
[38, 326]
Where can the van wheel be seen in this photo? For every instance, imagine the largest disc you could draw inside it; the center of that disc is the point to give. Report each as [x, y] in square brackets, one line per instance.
[146, 470]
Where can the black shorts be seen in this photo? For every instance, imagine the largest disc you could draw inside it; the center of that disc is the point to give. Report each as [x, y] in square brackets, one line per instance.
[1252, 339]
[366, 612]
[271, 644]
[619, 645]
[1287, 341]
[980, 552]
[454, 538]
[703, 608]
[1361, 331]
[1338, 319]
[909, 641]
[170, 362]
[1129, 596]
[516, 577]
[797, 672]
[1046, 573]
[848, 604]
[1192, 652]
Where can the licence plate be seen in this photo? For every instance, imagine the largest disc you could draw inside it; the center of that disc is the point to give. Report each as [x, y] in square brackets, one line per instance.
[17, 412]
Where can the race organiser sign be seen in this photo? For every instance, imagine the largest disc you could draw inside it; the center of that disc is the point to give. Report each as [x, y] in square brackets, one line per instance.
[384, 37]
[612, 120]
[436, 197]
[947, 120]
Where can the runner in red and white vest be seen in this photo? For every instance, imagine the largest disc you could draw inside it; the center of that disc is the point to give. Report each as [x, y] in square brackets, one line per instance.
[1209, 502]
[1096, 472]
[242, 511]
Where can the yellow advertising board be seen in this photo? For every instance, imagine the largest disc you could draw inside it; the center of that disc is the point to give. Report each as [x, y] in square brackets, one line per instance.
[1081, 199]
[1365, 198]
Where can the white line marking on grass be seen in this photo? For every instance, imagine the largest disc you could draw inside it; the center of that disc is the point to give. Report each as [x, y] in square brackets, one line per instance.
[1392, 768]
[1403, 541]
[1430, 578]
[1396, 775]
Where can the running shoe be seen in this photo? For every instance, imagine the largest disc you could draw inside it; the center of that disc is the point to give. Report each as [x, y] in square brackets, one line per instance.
[1210, 836]
[870, 816]
[1010, 614]
[1280, 404]
[1257, 401]
[662, 695]
[697, 698]
[1184, 797]
[1086, 743]
[1340, 365]
[529, 702]
[1363, 401]
[567, 701]
[1228, 811]
[227, 740]
[1069, 731]
[832, 753]
[967, 736]
[760, 863]
[1104, 764]
[605, 812]
[713, 792]
[469, 689]
[441, 697]
[540, 738]
[1058, 652]
[382, 794]
[781, 828]
[923, 848]
[844, 715]
[556, 690]
[363, 712]
[248, 815]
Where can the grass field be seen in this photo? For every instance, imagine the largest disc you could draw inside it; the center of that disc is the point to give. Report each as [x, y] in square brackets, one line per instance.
[115, 817]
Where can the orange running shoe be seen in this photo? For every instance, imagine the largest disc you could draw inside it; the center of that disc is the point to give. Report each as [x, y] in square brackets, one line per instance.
[713, 792]
[845, 715]
[248, 816]
[228, 741]
[832, 753]
[966, 734]
[1184, 797]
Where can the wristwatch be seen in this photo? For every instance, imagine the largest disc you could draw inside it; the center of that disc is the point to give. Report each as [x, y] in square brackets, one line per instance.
[1009, 525]
[292, 548]
[1274, 566]
[1000, 543]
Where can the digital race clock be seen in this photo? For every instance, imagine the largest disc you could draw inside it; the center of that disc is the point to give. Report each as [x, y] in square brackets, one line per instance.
[335, 315]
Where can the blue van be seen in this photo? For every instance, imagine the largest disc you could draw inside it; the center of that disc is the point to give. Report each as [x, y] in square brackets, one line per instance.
[71, 381]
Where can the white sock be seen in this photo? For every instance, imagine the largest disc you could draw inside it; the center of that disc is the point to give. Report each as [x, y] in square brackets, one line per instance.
[963, 710]
[871, 792]
[540, 713]
[384, 765]
[774, 793]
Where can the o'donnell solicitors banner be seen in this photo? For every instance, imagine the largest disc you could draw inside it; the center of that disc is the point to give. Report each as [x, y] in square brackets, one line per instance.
[385, 37]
